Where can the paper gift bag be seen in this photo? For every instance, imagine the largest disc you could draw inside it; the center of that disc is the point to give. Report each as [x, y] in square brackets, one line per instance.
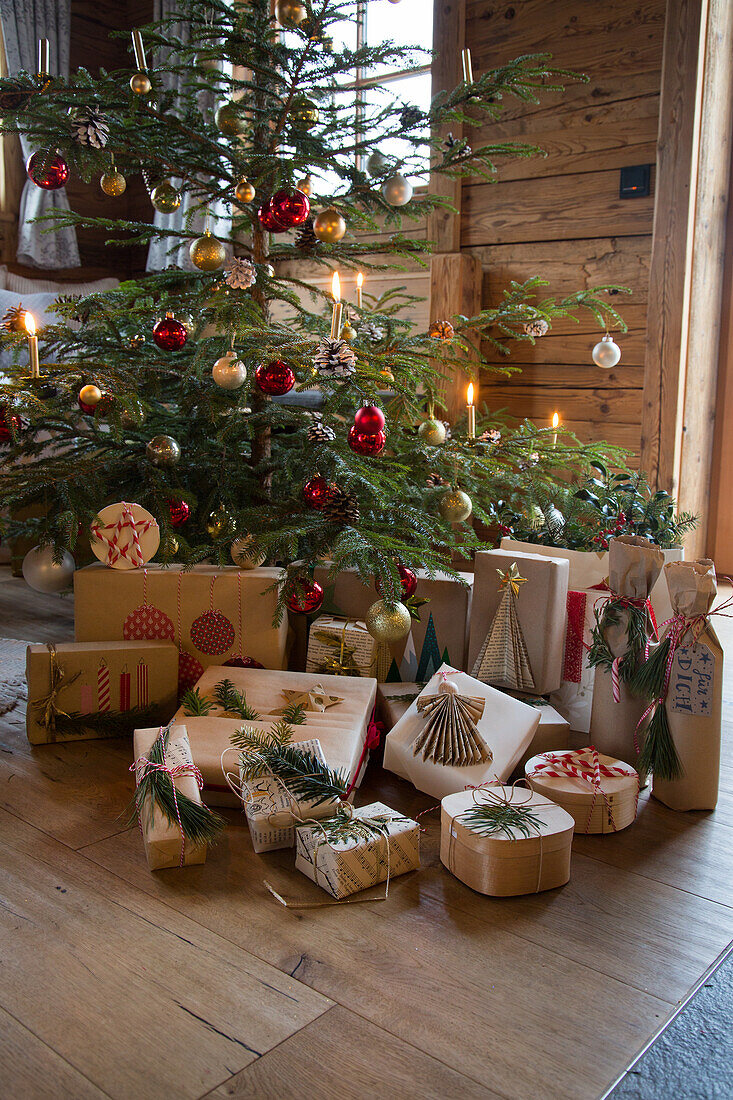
[505, 726]
[343, 862]
[601, 794]
[634, 565]
[213, 615]
[500, 855]
[83, 690]
[540, 605]
[694, 696]
[341, 647]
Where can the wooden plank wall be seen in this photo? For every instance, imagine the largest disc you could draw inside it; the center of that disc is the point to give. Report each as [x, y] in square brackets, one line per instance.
[560, 216]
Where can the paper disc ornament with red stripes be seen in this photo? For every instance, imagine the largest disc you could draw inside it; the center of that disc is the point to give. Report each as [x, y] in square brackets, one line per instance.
[125, 536]
[212, 633]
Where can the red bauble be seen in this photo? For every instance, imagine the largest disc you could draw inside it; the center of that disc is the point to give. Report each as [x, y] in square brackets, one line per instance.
[88, 410]
[48, 172]
[170, 334]
[275, 378]
[269, 219]
[408, 580]
[290, 208]
[304, 596]
[243, 662]
[316, 492]
[369, 420]
[364, 444]
[179, 511]
[7, 423]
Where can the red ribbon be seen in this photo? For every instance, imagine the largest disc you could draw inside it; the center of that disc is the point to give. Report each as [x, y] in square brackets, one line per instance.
[371, 741]
[174, 773]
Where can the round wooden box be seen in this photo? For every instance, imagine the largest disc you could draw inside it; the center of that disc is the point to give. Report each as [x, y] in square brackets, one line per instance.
[505, 864]
[615, 803]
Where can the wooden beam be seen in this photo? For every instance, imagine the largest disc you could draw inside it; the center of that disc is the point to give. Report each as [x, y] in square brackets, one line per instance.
[455, 287]
[449, 29]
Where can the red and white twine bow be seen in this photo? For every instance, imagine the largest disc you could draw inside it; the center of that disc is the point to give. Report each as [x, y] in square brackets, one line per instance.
[372, 741]
[145, 765]
[583, 764]
[638, 602]
[130, 550]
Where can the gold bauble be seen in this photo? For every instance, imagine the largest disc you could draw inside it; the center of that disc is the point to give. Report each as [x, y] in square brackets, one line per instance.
[347, 332]
[170, 546]
[140, 83]
[165, 197]
[90, 395]
[304, 112]
[207, 254]
[230, 119]
[329, 226]
[220, 522]
[289, 13]
[244, 191]
[432, 432]
[244, 553]
[388, 622]
[387, 375]
[305, 185]
[113, 184]
[455, 506]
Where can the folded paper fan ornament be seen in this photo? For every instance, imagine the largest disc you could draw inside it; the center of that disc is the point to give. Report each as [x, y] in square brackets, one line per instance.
[450, 735]
[503, 657]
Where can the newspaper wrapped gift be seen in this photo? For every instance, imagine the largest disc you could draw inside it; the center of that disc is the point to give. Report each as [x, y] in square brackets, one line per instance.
[601, 794]
[694, 695]
[623, 632]
[506, 727]
[540, 612]
[341, 647]
[505, 841]
[552, 733]
[82, 690]
[165, 841]
[357, 849]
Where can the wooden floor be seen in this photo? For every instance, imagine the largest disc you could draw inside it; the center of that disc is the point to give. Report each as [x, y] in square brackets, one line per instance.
[116, 982]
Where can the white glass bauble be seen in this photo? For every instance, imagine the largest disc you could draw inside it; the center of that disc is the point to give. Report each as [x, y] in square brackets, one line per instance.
[244, 553]
[396, 190]
[377, 163]
[229, 372]
[43, 574]
[606, 353]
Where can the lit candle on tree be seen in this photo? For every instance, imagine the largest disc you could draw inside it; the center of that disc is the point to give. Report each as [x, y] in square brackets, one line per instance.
[555, 426]
[30, 327]
[471, 412]
[359, 285]
[337, 306]
[44, 63]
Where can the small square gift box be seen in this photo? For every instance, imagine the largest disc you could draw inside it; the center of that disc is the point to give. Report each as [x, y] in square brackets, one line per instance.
[393, 700]
[601, 794]
[504, 841]
[552, 733]
[176, 827]
[459, 733]
[341, 647]
[357, 848]
[83, 690]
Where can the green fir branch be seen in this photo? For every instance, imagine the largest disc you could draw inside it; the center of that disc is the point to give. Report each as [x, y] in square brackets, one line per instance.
[488, 820]
[233, 701]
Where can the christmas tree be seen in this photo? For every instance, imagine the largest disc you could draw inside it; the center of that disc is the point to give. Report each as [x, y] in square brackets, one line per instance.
[178, 390]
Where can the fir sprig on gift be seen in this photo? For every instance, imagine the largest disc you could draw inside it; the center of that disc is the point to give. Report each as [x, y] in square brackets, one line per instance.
[637, 623]
[501, 818]
[658, 753]
[270, 752]
[234, 702]
[294, 714]
[195, 705]
[345, 828]
[199, 824]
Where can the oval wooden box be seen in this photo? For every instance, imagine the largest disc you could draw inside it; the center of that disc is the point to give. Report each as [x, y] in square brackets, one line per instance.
[502, 866]
[612, 814]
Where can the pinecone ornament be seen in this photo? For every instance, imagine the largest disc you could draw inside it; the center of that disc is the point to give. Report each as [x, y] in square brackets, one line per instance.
[335, 359]
[342, 508]
[306, 239]
[456, 148]
[490, 436]
[318, 432]
[241, 274]
[536, 328]
[14, 319]
[410, 117]
[371, 332]
[89, 127]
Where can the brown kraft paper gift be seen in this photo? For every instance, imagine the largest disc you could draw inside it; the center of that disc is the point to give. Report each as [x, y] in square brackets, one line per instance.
[164, 845]
[634, 565]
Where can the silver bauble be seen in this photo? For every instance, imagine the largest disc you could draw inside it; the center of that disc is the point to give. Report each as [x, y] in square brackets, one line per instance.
[432, 432]
[43, 574]
[244, 553]
[606, 353]
[377, 164]
[163, 450]
[396, 190]
[229, 372]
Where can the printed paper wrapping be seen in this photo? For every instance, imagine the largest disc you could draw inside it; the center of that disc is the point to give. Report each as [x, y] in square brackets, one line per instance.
[350, 866]
[233, 620]
[341, 647]
[506, 725]
[162, 839]
[695, 697]
[271, 810]
[99, 678]
[540, 608]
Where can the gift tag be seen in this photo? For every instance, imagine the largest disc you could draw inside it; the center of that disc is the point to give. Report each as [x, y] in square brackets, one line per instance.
[692, 682]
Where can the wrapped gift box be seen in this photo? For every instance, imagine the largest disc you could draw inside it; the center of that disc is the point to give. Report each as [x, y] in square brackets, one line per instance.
[393, 700]
[506, 726]
[343, 867]
[507, 861]
[540, 608]
[567, 778]
[162, 838]
[103, 689]
[341, 647]
[271, 811]
[552, 733]
[213, 615]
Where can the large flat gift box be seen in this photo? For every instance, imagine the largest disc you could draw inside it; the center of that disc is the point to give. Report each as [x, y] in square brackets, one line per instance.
[82, 690]
[164, 845]
[212, 614]
[505, 725]
[540, 609]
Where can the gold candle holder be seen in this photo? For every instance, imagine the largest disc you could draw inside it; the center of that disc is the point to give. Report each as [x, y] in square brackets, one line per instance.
[30, 327]
[337, 306]
[467, 65]
[139, 51]
[471, 412]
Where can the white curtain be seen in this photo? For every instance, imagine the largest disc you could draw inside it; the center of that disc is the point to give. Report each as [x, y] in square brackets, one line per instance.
[24, 22]
[160, 254]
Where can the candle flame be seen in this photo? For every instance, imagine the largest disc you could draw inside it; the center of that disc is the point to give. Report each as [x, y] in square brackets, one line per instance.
[336, 287]
[360, 280]
[30, 324]
[469, 394]
[555, 420]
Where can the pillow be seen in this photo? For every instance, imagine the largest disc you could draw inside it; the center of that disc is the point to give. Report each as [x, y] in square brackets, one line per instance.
[37, 304]
[20, 285]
